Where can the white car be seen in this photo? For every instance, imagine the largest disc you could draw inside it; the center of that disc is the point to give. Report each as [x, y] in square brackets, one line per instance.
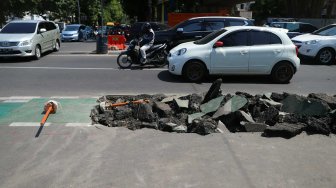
[320, 44]
[238, 50]
[29, 38]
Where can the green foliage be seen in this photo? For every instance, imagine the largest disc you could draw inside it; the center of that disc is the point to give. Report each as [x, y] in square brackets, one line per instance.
[139, 10]
[64, 10]
[263, 9]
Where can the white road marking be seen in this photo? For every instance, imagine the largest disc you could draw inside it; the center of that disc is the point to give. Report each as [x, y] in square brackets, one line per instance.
[79, 68]
[18, 99]
[78, 125]
[89, 55]
[27, 124]
[64, 97]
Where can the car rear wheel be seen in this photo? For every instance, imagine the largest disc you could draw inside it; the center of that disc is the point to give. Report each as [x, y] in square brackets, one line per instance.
[57, 46]
[325, 56]
[37, 55]
[282, 73]
[194, 71]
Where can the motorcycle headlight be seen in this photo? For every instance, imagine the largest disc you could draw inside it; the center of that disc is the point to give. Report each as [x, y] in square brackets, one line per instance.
[180, 52]
[25, 42]
[311, 42]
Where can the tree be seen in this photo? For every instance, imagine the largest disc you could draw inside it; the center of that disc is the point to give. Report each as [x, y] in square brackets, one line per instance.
[263, 9]
[136, 9]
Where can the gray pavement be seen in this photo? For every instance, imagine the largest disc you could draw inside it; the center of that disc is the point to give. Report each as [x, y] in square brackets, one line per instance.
[99, 156]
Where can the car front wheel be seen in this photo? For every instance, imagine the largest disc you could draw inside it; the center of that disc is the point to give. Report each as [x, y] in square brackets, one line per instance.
[37, 55]
[56, 46]
[194, 71]
[326, 56]
[282, 73]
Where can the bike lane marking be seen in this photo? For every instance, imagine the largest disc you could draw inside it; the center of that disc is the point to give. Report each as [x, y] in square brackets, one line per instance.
[71, 110]
[28, 124]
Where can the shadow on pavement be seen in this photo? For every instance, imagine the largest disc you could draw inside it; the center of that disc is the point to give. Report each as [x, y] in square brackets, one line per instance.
[312, 61]
[167, 77]
[139, 67]
[15, 59]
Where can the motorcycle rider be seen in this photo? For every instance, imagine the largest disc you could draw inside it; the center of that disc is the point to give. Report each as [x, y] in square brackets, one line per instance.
[147, 41]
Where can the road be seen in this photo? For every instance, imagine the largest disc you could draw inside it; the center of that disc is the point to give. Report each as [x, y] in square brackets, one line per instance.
[75, 72]
[70, 152]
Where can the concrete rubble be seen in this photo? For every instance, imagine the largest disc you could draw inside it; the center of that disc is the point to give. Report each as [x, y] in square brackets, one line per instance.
[273, 114]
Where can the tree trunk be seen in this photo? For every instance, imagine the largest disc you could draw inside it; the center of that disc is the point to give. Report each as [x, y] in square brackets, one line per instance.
[149, 10]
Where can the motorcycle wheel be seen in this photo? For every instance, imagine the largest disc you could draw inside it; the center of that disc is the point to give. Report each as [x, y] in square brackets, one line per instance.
[162, 60]
[124, 61]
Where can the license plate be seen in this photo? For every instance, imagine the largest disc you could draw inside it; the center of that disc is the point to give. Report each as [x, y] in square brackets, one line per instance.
[4, 50]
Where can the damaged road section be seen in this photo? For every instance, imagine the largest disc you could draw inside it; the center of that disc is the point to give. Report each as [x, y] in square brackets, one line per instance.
[273, 114]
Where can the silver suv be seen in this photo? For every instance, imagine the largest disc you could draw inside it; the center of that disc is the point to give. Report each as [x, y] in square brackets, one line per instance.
[29, 38]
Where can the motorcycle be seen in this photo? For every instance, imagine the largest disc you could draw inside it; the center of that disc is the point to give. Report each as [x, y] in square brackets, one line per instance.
[156, 55]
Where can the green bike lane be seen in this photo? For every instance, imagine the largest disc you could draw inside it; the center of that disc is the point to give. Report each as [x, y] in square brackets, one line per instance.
[74, 110]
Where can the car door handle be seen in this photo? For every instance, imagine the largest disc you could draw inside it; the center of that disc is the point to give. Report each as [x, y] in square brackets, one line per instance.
[277, 51]
[243, 52]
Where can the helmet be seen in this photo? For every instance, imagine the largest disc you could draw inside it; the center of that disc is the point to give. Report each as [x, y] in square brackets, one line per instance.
[146, 27]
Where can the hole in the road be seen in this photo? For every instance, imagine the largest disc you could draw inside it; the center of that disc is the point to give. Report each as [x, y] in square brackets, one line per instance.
[273, 114]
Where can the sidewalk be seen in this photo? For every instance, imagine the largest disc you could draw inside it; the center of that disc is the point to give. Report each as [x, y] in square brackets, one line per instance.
[87, 47]
[99, 156]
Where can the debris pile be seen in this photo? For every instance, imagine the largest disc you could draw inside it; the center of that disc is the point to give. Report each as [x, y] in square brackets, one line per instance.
[275, 115]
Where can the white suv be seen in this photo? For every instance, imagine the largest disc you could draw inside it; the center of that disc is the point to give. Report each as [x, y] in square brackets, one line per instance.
[29, 38]
[320, 44]
[239, 50]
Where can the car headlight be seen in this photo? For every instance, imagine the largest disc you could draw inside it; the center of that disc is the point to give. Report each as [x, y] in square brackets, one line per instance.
[311, 42]
[180, 52]
[25, 42]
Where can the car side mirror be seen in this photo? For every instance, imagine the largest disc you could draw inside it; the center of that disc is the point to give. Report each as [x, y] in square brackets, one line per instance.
[179, 30]
[218, 44]
[42, 30]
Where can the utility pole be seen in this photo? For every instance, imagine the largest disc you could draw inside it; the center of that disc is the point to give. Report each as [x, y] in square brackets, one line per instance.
[149, 13]
[79, 21]
[162, 11]
[102, 15]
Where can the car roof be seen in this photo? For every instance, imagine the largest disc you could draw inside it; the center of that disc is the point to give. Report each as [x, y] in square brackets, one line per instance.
[75, 24]
[233, 28]
[27, 21]
[291, 22]
[226, 17]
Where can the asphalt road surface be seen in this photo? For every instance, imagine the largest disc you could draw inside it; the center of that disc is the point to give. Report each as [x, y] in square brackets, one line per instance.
[76, 71]
[70, 152]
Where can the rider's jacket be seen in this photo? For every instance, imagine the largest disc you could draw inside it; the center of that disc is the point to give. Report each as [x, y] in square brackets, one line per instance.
[148, 38]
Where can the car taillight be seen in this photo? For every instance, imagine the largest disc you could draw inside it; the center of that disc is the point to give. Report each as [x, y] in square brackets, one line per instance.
[297, 50]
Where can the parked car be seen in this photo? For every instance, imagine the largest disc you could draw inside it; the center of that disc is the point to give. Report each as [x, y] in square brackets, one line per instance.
[135, 30]
[61, 26]
[197, 28]
[320, 44]
[74, 32]
[29, 38]
[89, 32]
[105, 29]
[240, 50]
[295, 28]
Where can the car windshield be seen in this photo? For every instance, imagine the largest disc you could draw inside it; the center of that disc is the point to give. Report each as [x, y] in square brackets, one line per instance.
[71, 28]
[210, 37]
[329, 30]
[19, 28]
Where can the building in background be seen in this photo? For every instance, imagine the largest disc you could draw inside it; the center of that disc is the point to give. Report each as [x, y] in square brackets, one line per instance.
[202, 7]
